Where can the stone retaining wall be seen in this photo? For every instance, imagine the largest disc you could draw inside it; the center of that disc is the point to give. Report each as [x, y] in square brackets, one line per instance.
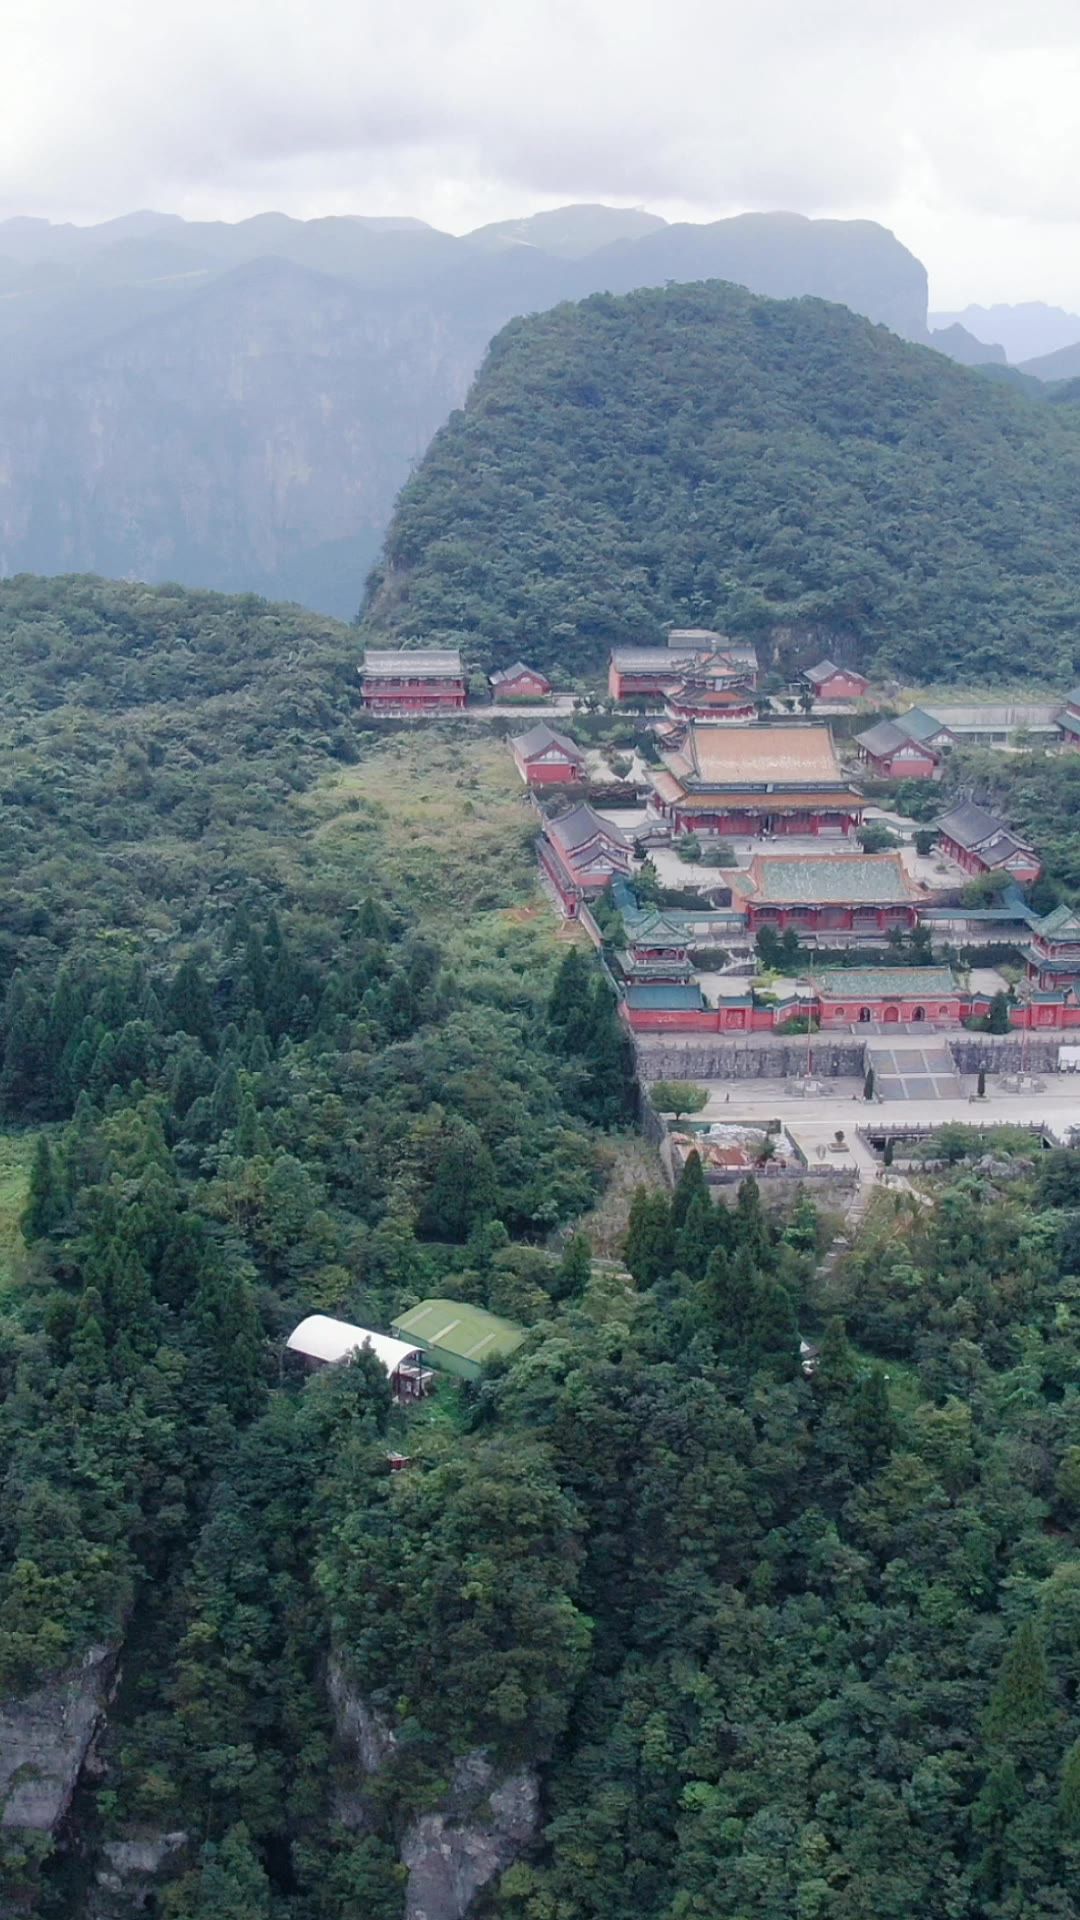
[1004, 1052]
[665, 1057]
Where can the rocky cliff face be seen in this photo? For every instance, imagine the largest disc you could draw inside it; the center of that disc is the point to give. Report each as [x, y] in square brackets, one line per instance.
[487, 1820]
[44, 1740]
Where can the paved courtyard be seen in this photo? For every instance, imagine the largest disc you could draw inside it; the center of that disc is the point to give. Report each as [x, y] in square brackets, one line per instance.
[813, 1120]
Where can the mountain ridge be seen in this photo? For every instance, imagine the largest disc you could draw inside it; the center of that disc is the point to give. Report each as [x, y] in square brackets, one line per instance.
[779, 470]
[289, 493]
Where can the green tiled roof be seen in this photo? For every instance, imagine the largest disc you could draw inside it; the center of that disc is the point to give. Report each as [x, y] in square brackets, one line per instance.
[869, 983]
[830, 880]
[920, 725]
[667, 998]
[1063, 919]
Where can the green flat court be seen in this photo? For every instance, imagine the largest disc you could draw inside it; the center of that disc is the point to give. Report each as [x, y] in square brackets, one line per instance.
[456, 1337]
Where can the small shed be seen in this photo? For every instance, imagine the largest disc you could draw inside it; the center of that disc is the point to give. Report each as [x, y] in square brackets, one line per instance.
[457, 1338]
[325, 1342]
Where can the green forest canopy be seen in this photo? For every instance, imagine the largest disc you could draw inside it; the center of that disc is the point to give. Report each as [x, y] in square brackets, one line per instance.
[776, 469]
[811, 1642]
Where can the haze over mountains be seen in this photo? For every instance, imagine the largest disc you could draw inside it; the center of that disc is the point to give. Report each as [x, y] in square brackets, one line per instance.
[238, 405]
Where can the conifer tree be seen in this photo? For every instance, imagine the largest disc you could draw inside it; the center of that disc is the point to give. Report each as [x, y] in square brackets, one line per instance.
[45, 1198]
[691, 1182]
[570, 995]
[649, 1248]
[1020, 1703]
[694, 1240]
[372, 923]
[1069, 1793]
[751, 1226]
[188, 1007]
[575, 1269]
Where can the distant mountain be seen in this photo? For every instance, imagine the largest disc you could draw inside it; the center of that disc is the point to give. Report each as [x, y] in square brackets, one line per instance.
[569, 232]
[1026, 330]
[962, 346]
[237, 405]
[1062, 365]
[779, 470]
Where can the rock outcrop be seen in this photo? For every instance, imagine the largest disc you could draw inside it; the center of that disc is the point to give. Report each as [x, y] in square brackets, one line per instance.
[127, 1871]
[486, 1821]
[44, 1739]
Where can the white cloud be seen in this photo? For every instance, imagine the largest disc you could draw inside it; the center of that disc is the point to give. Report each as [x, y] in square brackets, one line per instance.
[956, 117]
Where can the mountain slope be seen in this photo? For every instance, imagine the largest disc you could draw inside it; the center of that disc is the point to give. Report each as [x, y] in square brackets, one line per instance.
[1025, 330]
[1063, 364]
[238, 405]
[702, 457]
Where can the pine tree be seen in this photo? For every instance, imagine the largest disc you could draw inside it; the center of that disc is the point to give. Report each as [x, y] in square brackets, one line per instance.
[872, 1423]
[837, 1369]
[45, 1197]
[188, 1007]
[751, 1226]
[649, 1248]
[372, 923]
[1020, 1703]
[693, 1241]
[575, 1269]
[770, 1338]
[225, 1102]
[570, 995]
[1069, 1793]
[691, 1182]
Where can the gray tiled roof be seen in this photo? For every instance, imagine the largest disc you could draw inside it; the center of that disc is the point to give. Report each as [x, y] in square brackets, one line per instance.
[511, 673]
[885, 737]
[538, 738]
[970, 825]
[422, 663]
[580, 825]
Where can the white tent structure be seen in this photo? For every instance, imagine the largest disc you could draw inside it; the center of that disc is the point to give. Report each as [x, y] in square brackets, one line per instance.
[331, 1341]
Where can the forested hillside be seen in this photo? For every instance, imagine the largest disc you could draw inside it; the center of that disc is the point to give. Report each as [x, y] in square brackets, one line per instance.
[284, 1029]
[784, 471]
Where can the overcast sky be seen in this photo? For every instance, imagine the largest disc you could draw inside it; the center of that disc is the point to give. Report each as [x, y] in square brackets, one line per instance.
[956, 122]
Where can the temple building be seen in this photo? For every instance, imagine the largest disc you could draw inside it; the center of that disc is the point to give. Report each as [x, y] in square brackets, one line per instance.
[545, 758]
[519, 682]
[413, 680]
[889, 996]
[581, 854]
[656, 950]
[1053, 953]
[835, 684]
[712, 689]
[981, 843]
[640, 673]
[756, 780]
[859, 893]
[895, 750]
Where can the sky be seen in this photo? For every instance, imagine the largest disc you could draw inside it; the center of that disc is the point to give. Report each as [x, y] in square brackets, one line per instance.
[954, 122]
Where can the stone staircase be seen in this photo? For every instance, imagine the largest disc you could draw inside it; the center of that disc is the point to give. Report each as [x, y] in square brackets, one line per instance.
[926, 1072]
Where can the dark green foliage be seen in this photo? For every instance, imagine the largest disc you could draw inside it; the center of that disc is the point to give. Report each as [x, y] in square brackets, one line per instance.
[701, 457]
